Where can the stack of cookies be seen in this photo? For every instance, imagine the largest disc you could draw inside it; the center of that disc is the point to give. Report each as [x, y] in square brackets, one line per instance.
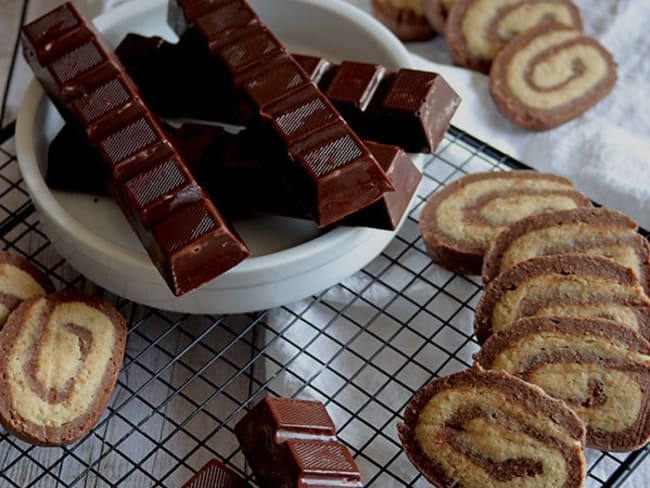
[60, 355]
[565, 314]
[543, 70]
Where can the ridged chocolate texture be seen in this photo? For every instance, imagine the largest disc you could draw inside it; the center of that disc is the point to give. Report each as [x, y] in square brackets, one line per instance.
[411, 109]
[567, 285]
[20, 280]
[482, 429]
[478, 29]
[216, 475]
[485, 203]
[535, 98]
[59, 362]
[293, 443]
[225, 166]
[598, 367]
[596, 231]
[147, 175]
[335, 176]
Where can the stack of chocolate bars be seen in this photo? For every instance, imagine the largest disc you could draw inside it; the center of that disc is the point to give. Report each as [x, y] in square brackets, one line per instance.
[302, 153]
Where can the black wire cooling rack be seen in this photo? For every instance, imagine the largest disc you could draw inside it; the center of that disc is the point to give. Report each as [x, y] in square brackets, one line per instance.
[362, 347]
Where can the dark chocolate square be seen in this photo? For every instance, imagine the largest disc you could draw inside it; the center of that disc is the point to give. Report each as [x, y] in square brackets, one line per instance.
[314, 66]
[329, 459]
[354, 84]
[301, 416]
[77, 62]
[103, 99]
[160, 190]
[229, 16]
[51, 25]
[215, 475]
[300, 112]
[270, 81]
[247, 50]
[409, 90]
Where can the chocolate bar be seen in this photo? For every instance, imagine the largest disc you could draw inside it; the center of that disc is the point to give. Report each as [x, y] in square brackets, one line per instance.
[185, 235]
[330, 169]
[215, 475]
[227, 166]
[409, 108]
[292, 443]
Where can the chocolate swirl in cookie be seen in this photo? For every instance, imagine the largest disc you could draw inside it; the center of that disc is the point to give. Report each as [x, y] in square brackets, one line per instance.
[550, 75]
[61, 355]
[567, 285]
[405, 18]
[19, 280]
[599, 231]
[598, 367]
[484, 428]
[459, 221]
[478, 29]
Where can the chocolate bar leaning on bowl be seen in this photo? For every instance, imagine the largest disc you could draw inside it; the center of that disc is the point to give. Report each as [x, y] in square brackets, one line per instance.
[331, 171]
[292, 444]
[409, 108]
[226, 167]
[186, 237]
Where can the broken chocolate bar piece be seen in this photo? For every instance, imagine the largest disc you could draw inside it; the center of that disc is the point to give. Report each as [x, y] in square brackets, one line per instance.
[292, 443]
[188, 240]
[215, 475]
[410, 108]
[332, 171]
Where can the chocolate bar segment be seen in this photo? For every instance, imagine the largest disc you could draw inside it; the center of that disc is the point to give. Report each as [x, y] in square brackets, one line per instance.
[293, 443]
[215, 475]
[188, 240]
[327, 183]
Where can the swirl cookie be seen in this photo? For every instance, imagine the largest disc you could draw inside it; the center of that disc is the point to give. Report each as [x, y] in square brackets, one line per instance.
[19, 280]
[459, 221]
[486, 429]
[564, 285]
[550, 75]
[405, 18]
[59, 360]
[436, 12]
[598, 231]
[599, 368]
[478, 29]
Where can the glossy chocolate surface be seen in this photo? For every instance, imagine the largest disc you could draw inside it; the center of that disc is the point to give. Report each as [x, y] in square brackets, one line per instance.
[188, 240]
[215, 474]
[293, 443]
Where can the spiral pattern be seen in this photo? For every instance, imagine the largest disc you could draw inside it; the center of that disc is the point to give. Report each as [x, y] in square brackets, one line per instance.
[598, 231]
[60, 359]
[599, 368]
[575, 285]
[459, 221]
[482, 429]
[550, 75]
[478, 29]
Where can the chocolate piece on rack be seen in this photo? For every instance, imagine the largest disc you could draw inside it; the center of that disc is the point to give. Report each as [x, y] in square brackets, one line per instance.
[215, 474]
[60, 357]
[411, 109]
[334, 172]
[293, 443]
[481, 429]
[20, 281]
[147, 174]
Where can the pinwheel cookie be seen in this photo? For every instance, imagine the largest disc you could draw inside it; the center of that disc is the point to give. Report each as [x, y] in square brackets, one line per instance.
[564, 285]
[436, 12]
[598, 367]
[478, 29]
[19, 280]
[59, 360]
[550, 75]
[405, 18]
[598, 231]
[459, 221]
[482, 429]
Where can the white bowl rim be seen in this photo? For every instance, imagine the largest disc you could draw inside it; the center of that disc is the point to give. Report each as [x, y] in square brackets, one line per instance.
[45, 199]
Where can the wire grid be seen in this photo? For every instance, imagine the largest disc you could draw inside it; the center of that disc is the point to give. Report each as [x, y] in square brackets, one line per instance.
[363, 347]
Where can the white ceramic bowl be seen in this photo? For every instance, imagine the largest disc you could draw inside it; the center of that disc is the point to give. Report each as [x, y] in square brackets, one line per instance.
[290, 259]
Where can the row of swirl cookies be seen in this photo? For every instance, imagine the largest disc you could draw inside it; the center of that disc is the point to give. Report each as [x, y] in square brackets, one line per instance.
[60, 355]
[564, 309]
